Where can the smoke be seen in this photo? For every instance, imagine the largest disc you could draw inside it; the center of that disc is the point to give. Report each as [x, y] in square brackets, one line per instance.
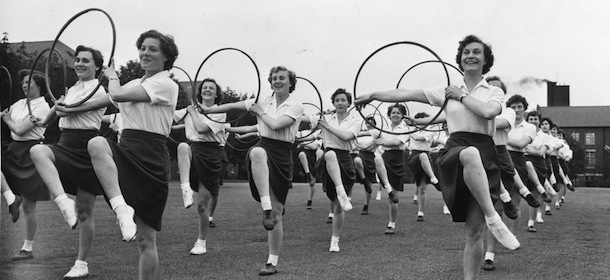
[529, 80]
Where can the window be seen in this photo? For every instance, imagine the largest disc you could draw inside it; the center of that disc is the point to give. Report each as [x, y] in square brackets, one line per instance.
[576, 136]
[589, 138]
[589, 159]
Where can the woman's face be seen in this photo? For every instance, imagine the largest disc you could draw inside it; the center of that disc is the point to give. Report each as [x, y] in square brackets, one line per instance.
[208, 91]
[533, 120]
[151, 56]
[554, 131]
[473, 58]
[519, 110]
[559, 136]
[340, 102]
[34, 88]
[85, 66]
[280, 81]
[396, 116]
[545, 126]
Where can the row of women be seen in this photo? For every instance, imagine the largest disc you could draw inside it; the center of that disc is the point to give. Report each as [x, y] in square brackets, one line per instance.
[133, 174]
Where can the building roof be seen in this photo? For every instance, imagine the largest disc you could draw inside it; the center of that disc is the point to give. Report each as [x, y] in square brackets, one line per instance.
[38, 46]
[578, 116]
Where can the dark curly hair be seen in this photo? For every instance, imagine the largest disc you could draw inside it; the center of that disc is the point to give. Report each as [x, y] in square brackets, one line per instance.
[421, 115]
[292, 76]
[496, 78]
[400, 108]
[341, 91]
[534, 114]
[98, 59]
[38, 78]
[168, 46]
[219, 96]
[546, 119]
[517, 99]
[489, 56]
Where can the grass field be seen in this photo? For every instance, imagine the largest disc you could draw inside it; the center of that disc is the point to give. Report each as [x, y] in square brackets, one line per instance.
[571, 244]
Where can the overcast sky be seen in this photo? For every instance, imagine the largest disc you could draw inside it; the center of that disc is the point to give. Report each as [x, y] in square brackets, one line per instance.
[327, 41]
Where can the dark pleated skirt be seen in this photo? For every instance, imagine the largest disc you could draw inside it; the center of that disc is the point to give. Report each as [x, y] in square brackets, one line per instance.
[549, 167]
[142, 161]
[456, 194]
[225, 159]
[20, 172]
[74, 163]
[206, 164]
[564, 166]
[414, 165]
[395, 166]
[506, 167]
[519, 161]
[555, 166]
[348, 173]
[280, 164]
[368, 161]
[541, 171]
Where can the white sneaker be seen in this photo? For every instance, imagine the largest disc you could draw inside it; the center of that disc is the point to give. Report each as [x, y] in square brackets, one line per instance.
[198, 249]
[77, 271]
[187, 197]
[378, 197]
[334, 246]
[67, 208]
[344, 201]
[124, 215]
[504, 236]
[446, 210]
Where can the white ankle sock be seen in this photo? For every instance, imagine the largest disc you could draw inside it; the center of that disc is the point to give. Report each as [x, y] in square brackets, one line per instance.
[117, 201]
[505, 197]
[530, 223]
[210, 218]
[388, 188]
[28, 245]
[201, 242]
[80, 263]
[340, 190]
[420, 213]
[266, 202]
[60, 198]
[524, 192]
[334, 238]
[9, 196]
[540, 189]
[185, 186]
[272, 259]
[331, 215]
[392, 224]
[489, 256]
[493, 219]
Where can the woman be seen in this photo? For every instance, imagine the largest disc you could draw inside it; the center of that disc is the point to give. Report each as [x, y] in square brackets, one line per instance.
[269, 162]
[419, 163]
[308, 156]
[200, 162]
[66, 167]
[336, 167]
[18, 170]
[537, 168]
[135, 172]
[469, 167]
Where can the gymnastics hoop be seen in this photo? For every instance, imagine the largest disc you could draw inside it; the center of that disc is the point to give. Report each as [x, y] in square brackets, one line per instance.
[312, 130]
[30, 75]
[402, 43]
[321, 108]
[10, 83]
[189, 96]
[235, 148]
[424, 62]
[258, 76]
[109, 60]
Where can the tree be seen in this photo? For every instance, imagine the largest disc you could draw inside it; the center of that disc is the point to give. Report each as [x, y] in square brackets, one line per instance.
[132, 70]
